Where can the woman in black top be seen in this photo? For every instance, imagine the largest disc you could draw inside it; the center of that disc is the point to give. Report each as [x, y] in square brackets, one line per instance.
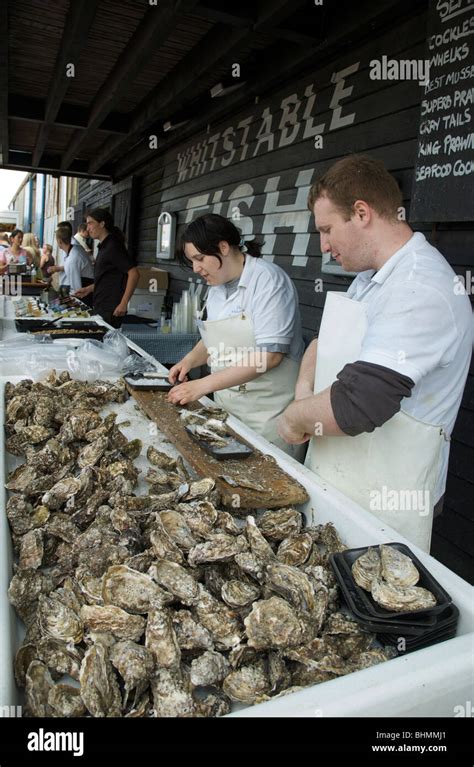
[115, 273]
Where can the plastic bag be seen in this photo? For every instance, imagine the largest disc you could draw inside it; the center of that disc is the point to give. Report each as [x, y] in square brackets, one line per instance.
[115, 341]
[136, 364]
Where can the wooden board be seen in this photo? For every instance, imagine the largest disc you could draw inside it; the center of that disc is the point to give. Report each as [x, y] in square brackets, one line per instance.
[275, 488]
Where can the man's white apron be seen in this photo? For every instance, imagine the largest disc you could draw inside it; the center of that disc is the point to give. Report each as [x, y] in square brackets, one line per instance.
[392, 471]
[257, 403]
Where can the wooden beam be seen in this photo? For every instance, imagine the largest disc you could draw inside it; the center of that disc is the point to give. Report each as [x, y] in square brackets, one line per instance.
[76, 29]
[153, 30]
[51, 163]
[32, 109]
[219, 45]
[4, 83]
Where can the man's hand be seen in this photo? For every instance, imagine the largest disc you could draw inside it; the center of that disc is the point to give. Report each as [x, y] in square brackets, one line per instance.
[82, 292]
[120, 310]
[289, 430]
[188, 392]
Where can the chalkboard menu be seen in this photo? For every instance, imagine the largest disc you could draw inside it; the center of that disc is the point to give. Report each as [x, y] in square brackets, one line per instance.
[443, 182]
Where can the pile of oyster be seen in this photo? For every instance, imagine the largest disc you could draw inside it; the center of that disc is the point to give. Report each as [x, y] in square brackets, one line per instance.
[160, 604]
[390, 576]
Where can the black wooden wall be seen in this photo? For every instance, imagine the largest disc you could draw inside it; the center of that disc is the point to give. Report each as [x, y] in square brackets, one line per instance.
[268, 179]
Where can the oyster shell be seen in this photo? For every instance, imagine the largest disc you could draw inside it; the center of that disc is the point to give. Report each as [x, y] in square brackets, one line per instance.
[209, 669]
[222, 623]
[58, 620]
[367, 567]
[247, 683]
[279, 524]
[214, 704]
[110, 618]
[200, 516]
[100, 690]
[295, 549]
[260, 547]
[397, 568]
[278, 674]
[161, 460]
[164, 547]
[60, 657]
[199, 489]
[190, 634]
[175, 579]
[331, 539]
[38, 684]
[400, 599]
[292, 584]
[23, 657]
[61, 492]
[132, 591]
[134, 663]
[172, 695]
[65, 701]
[219, 548]
[91, 454]
[160, 639]
[32, 550]
[272, 624]
[177, 528]
[239, 594]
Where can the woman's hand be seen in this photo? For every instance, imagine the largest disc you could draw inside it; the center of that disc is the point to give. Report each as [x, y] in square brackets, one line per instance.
[120, 310]
[188, 392]
[179, 372]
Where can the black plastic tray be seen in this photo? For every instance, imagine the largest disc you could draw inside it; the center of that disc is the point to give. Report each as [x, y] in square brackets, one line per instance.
[33, 324]
[411, 625]
[132, 379]
[347, 559]
[233, 449]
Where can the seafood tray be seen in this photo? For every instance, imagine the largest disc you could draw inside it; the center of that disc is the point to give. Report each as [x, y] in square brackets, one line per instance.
[141, 382]
[346, 559]
[233, 449]
[63, 329]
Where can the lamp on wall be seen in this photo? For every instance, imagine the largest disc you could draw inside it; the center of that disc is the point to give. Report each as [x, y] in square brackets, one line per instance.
[165, 235]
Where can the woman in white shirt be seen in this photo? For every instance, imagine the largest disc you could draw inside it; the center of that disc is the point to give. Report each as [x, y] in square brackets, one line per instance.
[252, 335]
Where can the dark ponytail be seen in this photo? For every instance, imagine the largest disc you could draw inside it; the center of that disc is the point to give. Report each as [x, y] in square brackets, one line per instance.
[103, 214]
[206, 232]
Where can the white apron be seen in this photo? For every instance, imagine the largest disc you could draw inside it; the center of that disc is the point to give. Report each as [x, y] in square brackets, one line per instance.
[260, 402]
[391, 471]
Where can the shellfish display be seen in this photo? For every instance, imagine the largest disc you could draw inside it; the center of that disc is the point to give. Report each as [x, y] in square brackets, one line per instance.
[390, 576]
[164, 603]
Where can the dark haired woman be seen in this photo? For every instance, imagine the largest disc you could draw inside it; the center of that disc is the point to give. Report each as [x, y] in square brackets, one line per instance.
[115, 273]
[253, 331]
[15, 254]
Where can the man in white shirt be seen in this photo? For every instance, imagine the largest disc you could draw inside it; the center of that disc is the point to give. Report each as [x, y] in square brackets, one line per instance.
[78, 270]
[390, 388]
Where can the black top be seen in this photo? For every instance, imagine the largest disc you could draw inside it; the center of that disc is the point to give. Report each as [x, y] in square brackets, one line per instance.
[111, 268]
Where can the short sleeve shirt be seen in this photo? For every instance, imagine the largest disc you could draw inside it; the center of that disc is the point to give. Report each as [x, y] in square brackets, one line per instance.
[419, 324]
[111, 269]
[268, 297]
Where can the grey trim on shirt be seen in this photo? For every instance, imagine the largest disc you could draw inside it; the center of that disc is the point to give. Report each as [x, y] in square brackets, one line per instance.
[367, 395]
[231, 287]
[282, 348]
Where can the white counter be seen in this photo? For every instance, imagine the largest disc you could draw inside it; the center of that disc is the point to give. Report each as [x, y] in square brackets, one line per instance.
[428, 682]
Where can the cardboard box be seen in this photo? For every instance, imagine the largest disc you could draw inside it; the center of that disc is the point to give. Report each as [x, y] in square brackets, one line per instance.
[152, 279]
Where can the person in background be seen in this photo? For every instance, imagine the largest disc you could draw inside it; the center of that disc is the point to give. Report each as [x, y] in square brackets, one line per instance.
[78, 272]
[57, 268]
[115, 272]
[47, 258]
[29, 244]
[15, 254]
[82, 238]
[4, 244]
